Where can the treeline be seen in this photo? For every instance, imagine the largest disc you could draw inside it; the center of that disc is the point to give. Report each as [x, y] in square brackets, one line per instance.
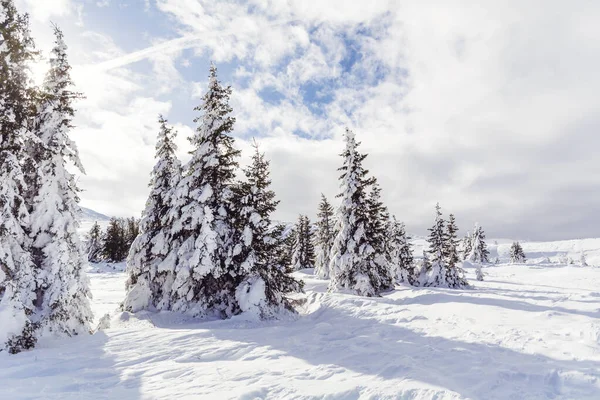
[112, 244]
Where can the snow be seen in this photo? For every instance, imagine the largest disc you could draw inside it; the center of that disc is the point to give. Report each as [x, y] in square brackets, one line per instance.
[526, 332]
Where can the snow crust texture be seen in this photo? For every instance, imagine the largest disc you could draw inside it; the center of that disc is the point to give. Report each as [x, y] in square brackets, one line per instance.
[526, 332]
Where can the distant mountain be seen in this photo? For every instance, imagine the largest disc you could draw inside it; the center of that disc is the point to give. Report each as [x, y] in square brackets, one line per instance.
[93, 215]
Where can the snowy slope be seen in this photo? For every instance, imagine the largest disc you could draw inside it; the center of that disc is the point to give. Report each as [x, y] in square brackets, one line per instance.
[537, 252]
[527, 332]
[88, 218]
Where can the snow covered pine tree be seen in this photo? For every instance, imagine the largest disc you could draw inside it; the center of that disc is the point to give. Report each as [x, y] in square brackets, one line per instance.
[94, 243]
[517, 255]
[303, 255]
[377, 229]
[455, 275]
[62, 285]
[17, 279]
[325, 237]
[402, 260]
[440, 273]
[150, 273]
[202, 216]
[353, 266]
[265, 286]
[479, 252]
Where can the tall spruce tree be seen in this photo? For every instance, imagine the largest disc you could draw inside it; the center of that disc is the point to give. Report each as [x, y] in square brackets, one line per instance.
[17, 275]
[479, 252]
[353, 266]
[303, 255]
[114, 247]
[325, 237]
[455, 275]
[466, 246]
[150, 272]
[202, 234]
[63, 292]
[440, 273]
[402, 259]
[94, 243]
[265, 286]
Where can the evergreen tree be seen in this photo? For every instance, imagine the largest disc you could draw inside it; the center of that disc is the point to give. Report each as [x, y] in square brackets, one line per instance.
[265, 286]
[517, 255]
[132, 230]
[479, 252]
[452, 242]
[150, 271]
[440, 272]
[288, 237]
[202, 234]
[402, 260]
[582, 259]
[17, 275]
[466, 246]
[325, 237]
[303, 255]
[114, 248]
[353, 258]
[62, 286]
[94, 243]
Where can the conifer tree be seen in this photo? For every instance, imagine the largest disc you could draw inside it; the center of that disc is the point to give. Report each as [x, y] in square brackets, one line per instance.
[517, 255]
[325, 237]
[440, 273]
[202, 234]
[353, 266]
[452, 242]
[303, 255]
[62, 286]
[265, 286]
[94, 243]
[150, 272]
[582, 259]
[466, 246]
[402, 260]
[288, 237]
[114, 248]
[479, 252]
[17, 275]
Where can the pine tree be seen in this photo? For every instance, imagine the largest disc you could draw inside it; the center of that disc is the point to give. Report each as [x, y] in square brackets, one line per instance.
[132, 230]
[265, 286]
[150, 271]
[440, 273]
[455, 275]
[466, 246]
[479, 252]
[353, 265]
[452, 242]
[17, 275]
[288, 237]
[325, 237]
[402, 260]
[582, 259]
[517, 255]
[94, 243]
[202, 234]
[303, 255]
[114, 248]
[62, 287]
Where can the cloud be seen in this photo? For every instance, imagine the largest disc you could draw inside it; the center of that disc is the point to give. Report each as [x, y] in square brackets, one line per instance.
[490, 109]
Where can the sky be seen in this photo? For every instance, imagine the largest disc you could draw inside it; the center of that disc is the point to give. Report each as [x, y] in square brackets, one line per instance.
[490, 108]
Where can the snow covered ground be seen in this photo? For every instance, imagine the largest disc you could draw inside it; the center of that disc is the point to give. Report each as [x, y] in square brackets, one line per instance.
[527, 332]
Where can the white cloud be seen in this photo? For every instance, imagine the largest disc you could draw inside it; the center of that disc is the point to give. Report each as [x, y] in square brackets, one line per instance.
[490, 109]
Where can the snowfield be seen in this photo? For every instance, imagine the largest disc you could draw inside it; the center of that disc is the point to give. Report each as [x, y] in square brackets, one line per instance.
[527, 332]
